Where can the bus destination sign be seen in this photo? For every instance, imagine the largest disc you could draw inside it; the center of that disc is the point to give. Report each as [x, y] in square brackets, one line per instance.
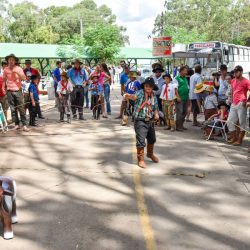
[204, 45]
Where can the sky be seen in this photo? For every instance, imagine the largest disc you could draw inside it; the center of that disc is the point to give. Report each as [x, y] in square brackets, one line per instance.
[136, 15]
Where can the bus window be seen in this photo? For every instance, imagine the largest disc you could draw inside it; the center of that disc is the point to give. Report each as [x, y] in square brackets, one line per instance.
[236, 54]
[241, 55]
[231, 54]
[246, 55]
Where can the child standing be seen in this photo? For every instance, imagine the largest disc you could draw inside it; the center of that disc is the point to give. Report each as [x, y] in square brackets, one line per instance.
[26, 95]
[34, 99]
[131, 87]
[64, 88]
[146, 111]
[96, 90]
[168, 101]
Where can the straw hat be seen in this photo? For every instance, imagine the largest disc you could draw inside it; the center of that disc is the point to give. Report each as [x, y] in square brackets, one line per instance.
[132, 74]
[209, 88]
[200, 87]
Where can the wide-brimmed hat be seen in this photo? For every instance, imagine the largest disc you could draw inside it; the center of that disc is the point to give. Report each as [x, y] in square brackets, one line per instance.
[167, 75]
[77, 60]
[150, 81]
[157, 67]
[222, 103]
[64, 73]
[209, 88]
[200, 87]
[13, 56]
[132, 74]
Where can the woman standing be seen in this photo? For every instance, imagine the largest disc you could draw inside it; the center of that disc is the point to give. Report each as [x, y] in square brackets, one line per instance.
[107, 82]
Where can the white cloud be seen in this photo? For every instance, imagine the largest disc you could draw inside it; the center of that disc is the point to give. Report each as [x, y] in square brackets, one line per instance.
[136, 15]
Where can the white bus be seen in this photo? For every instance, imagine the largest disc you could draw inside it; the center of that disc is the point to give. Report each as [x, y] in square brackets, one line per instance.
[229, 54]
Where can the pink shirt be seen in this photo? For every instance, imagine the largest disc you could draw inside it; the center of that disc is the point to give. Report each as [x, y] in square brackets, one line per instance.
[13, 81]
[240, 89]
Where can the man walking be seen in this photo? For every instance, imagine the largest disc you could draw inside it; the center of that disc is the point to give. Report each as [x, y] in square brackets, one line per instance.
[12, 77]
[182, 94]
[78, 78]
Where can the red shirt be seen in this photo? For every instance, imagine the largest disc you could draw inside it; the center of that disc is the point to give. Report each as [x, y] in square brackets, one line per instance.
[31, 70]
[2, 91]
[240, 89]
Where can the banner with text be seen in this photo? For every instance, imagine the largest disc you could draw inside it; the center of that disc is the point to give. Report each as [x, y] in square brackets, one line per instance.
[162, 46]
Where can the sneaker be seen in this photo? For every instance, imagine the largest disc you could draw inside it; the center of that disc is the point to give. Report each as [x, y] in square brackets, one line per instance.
[172, 130]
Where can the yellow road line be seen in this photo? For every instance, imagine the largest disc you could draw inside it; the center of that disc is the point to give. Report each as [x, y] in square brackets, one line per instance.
[142, 207]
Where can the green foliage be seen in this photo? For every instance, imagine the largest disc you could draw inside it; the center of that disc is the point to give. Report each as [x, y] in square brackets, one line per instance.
[102, 41]
[201, 20]
[26, 23]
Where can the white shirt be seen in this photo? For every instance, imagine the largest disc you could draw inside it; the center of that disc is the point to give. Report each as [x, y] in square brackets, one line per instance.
[25, 85]
[68, 89]
[171, 92]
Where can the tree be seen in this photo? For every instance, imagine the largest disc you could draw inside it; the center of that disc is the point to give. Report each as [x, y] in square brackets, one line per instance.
[103, 42]
[202, 20]
[26, 23]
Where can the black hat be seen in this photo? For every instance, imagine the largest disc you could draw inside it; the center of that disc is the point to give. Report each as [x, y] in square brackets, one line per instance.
[27, 61]
[167, 75]
[158, 69]
[9, 56]
[34, 77]
[150, 81]
[222, 104]
[238, 68]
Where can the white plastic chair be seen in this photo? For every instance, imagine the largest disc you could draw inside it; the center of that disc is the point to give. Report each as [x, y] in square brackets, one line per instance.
[3, 121]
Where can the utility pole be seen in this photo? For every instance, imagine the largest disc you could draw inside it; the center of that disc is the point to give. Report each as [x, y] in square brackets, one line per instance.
[81, 27]
[162, 24]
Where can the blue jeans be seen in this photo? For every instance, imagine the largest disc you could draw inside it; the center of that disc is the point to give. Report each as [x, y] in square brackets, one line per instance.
[107, 97]
[86, 95]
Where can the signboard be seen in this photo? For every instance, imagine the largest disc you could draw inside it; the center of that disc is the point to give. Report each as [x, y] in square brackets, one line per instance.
[204, 45]
[162, 46]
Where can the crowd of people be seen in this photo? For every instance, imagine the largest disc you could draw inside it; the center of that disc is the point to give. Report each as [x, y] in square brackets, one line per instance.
[159, 99]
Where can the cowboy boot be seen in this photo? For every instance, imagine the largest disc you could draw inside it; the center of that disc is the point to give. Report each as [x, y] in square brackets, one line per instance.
[233, 136]
[240, 139]
[150, 153]
[61, 117]
[140, 157]
[178, 126]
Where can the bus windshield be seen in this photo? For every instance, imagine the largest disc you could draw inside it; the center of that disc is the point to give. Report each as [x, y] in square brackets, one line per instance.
[204, 62]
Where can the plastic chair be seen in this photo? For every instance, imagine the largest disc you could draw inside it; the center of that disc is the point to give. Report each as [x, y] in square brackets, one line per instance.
[222, 129]
[3, 121]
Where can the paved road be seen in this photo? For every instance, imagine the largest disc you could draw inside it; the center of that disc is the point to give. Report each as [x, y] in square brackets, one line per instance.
[78, 188]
